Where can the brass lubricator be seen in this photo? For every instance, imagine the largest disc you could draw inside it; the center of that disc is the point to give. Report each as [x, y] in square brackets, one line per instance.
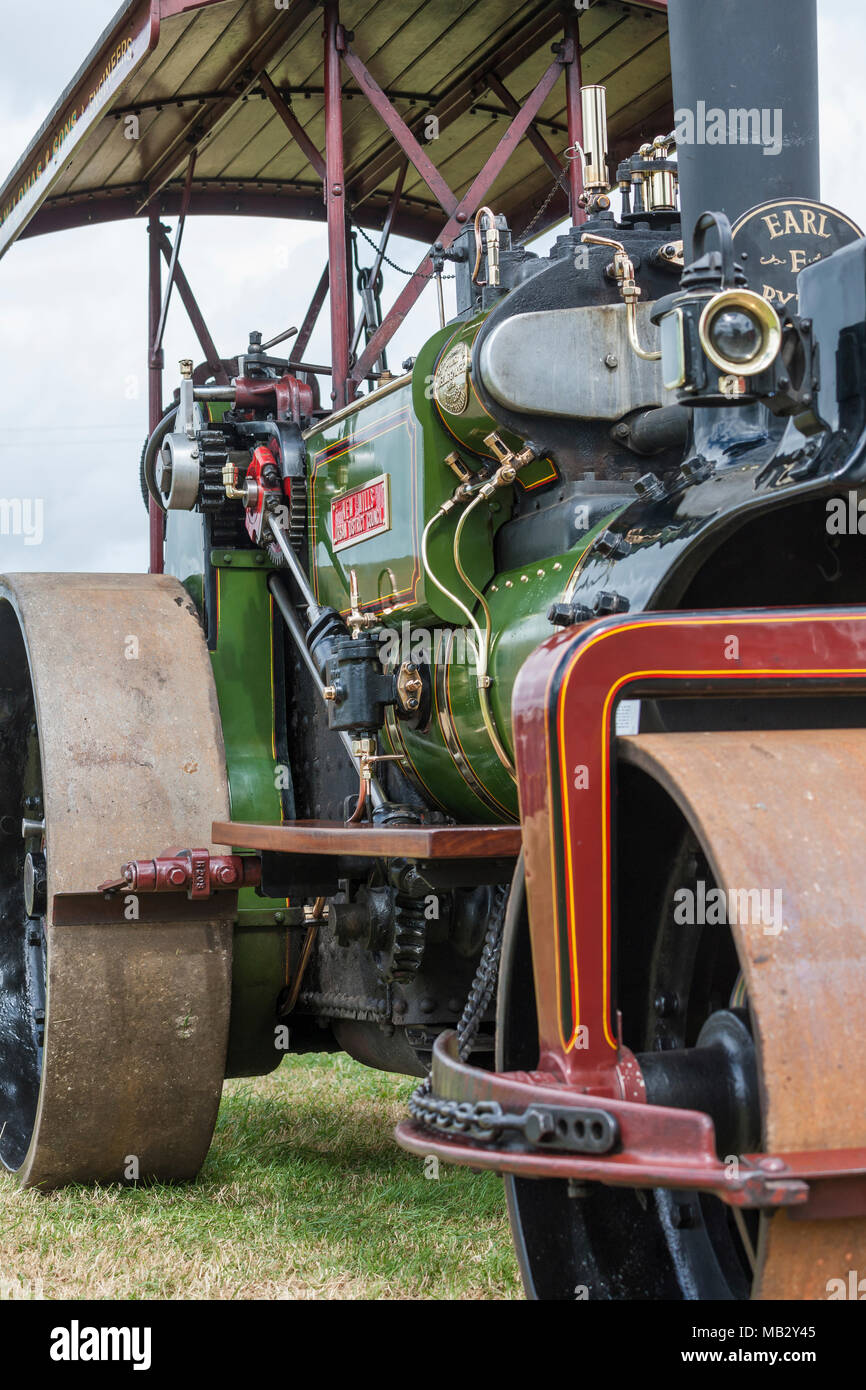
[593, 151]
[648, 179]
[623, 272]
[662, 182]
[491, 237]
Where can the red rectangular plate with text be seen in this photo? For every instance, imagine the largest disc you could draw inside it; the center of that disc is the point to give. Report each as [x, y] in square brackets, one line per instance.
[361, 513]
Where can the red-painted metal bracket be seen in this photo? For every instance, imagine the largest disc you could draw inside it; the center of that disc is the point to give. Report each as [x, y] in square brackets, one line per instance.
[658, 1146]
[196, 872]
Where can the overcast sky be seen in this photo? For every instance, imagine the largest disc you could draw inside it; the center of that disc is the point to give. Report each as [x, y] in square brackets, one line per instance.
[73, 407]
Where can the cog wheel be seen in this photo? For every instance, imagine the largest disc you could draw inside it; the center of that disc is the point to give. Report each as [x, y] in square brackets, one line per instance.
[400, 960]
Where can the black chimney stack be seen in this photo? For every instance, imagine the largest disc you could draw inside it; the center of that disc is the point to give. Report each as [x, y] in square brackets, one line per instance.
[744, 56]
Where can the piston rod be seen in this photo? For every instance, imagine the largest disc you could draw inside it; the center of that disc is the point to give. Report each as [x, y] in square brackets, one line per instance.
[290, 618]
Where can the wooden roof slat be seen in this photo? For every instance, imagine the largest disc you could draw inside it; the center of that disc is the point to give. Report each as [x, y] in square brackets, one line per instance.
[440, 50]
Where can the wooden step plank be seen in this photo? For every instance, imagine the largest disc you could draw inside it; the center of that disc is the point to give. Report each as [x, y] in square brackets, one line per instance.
[409, 841]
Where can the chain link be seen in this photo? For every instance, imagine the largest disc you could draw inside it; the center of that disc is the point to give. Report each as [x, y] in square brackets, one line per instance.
[481, 1120]
[560, 183]
[420, 274]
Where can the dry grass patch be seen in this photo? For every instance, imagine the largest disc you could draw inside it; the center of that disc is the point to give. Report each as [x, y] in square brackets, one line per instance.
[304, 1195]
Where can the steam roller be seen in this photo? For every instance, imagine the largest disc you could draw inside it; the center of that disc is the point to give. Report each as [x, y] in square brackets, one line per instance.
[500, 722]
[112, 1035]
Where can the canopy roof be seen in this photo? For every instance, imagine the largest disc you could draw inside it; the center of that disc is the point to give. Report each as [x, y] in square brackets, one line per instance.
[196, 76]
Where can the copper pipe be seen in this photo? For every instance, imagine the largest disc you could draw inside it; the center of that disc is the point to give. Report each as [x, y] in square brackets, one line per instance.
[362, 801]
[306, 950]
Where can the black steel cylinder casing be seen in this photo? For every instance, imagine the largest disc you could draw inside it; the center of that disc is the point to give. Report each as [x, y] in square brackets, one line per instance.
[743, 56]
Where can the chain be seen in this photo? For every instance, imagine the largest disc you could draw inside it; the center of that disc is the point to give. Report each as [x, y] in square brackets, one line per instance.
[429, 275]
[560, 183]
[421, 1105]
[570, 1129]
[482, 1120]
[424, 275]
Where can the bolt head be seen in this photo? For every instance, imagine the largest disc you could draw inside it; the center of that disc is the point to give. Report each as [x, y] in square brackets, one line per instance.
[538, 1125]
[772, 1165]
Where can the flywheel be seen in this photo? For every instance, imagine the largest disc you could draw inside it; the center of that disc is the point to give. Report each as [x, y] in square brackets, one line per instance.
[113, 1032]
[771, 821]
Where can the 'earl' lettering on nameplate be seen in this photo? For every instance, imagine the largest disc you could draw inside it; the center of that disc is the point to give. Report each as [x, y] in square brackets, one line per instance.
[775, 241]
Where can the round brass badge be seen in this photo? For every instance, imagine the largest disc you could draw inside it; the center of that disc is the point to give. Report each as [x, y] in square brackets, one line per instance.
[451, 382]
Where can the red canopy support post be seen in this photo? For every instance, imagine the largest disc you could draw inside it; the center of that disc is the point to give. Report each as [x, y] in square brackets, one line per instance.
[155, 364]
[573, 84]
[335, 206]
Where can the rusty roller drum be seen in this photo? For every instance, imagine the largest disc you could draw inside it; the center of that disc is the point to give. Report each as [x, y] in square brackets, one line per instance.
[775, 810]
[113, 1034]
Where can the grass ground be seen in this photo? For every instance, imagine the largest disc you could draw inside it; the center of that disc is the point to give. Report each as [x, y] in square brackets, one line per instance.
[304, 1195]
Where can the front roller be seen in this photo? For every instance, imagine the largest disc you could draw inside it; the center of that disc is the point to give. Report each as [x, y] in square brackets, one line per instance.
[785, 812]
[773, 819]
[113, 1016]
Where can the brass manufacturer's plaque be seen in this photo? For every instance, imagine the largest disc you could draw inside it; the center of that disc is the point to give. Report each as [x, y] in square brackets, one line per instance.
[451, 382]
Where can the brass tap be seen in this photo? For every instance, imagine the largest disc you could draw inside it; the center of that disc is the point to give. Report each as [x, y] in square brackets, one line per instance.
[630, 291]
[357, 621]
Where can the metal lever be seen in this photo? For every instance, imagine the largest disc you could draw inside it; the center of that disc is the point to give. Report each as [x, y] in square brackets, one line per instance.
[280, 338]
